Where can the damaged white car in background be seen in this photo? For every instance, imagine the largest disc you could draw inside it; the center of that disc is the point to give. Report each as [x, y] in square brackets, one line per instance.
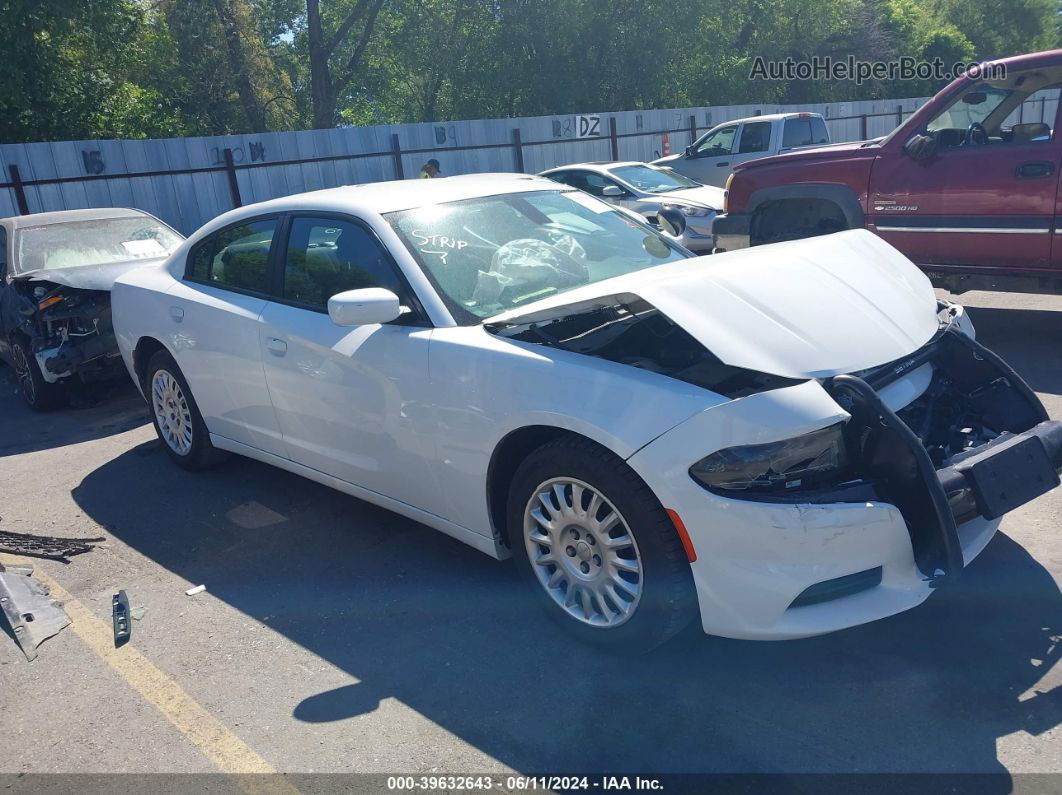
[56, 272]
[785, 441]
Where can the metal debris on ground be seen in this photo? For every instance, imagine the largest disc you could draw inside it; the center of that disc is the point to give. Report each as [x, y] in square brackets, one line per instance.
[195, 590]
[51, 547]
[120, 616]
[33, 616]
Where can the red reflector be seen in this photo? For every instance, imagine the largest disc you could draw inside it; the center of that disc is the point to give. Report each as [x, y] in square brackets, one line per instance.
[684, 537]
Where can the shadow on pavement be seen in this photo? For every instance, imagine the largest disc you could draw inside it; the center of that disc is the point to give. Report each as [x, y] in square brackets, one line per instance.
[419, 617]
[1027, 339]
[112, 408]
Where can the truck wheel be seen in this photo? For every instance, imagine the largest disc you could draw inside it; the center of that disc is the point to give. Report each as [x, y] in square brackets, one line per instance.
[176, 417]
[39, 394]
[597, 549]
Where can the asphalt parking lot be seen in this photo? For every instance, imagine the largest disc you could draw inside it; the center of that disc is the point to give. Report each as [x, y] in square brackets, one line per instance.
[336, 637]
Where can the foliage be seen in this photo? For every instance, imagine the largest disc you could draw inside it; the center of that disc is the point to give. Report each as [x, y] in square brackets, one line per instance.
[150, 68]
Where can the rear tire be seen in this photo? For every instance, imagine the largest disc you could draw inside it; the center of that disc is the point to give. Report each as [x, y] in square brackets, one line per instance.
[597, 549]
[176, 416]
[40, 395]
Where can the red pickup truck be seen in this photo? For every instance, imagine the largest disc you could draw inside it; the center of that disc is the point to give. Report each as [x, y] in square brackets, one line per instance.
[967, 187]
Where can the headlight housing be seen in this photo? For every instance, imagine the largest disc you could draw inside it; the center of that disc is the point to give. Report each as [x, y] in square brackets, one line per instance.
[814, 459]
[689, 210]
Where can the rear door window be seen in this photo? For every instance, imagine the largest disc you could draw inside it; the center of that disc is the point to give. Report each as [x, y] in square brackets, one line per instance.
[236, 257]
[755, 137]
[802, 132]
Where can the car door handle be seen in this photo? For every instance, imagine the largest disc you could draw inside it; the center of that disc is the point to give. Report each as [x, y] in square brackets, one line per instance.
[277, 346]
[177, 314]
[1037, 168]
[720, 165]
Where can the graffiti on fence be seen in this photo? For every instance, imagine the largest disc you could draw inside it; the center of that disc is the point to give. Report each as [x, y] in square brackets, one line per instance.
[255, 152]
[588, 127]
[93, 160]
[444, 135]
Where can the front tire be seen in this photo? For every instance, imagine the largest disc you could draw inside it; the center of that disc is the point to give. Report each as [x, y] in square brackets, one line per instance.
[40, 395]
[176, 416]
[597, 549]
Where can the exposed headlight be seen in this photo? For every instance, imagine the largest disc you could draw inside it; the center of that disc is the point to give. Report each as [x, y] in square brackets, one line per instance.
[808, 460]
[689, 210]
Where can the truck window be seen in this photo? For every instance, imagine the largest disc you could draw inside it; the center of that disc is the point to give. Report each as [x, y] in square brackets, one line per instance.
[1007, 115]
[755, 137]
[1034, 119]
[818, 131]
[973, 106]
[717, 142]
[799, 131]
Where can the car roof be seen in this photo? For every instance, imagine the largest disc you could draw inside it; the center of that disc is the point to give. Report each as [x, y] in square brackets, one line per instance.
[599, 166]
[70, 216]
[378, 198]
[769, 117]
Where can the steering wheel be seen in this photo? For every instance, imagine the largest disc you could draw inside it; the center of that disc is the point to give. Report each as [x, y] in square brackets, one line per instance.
[975, 134]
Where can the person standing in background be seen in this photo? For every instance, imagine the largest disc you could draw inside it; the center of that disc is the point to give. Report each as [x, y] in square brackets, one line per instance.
[430, 170]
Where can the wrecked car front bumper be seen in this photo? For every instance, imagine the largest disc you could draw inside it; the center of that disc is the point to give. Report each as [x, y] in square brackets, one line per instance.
[808, 563]
[69, 332]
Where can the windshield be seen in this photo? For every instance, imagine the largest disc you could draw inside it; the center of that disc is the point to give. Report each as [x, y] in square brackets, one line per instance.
[653, 180]
[492, 254]
[100, 241]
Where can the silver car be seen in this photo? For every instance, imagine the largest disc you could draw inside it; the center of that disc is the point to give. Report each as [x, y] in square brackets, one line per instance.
[678, 205]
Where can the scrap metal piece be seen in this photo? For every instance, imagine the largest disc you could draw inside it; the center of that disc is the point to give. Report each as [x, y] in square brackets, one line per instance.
[32, 615]
[120, 617]
[51, 547]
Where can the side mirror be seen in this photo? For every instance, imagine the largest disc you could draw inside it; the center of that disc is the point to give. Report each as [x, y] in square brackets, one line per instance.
[364, 307]
[690, 151]
[671, 221]
[612, 191]
[921, 147]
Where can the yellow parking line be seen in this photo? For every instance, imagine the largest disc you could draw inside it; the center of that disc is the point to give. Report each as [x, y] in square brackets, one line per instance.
[225, 750]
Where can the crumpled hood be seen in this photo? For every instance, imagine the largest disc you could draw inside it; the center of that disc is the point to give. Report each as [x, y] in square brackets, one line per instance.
[88, 277]
[809, 308]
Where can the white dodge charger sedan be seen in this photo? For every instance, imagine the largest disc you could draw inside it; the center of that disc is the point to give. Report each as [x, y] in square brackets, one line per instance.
[783, 441]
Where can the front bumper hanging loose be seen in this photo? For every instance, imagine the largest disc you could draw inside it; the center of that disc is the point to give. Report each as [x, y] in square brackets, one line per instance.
[990, 480]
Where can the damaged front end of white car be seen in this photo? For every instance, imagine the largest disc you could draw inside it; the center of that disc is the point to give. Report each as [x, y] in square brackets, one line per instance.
[869, 444]
[55, 307]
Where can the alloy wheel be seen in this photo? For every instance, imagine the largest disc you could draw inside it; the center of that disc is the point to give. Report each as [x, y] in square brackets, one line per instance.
[172, 412]
[583, 553]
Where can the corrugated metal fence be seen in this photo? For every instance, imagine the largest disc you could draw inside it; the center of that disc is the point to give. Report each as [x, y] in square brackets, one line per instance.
[188, 181]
